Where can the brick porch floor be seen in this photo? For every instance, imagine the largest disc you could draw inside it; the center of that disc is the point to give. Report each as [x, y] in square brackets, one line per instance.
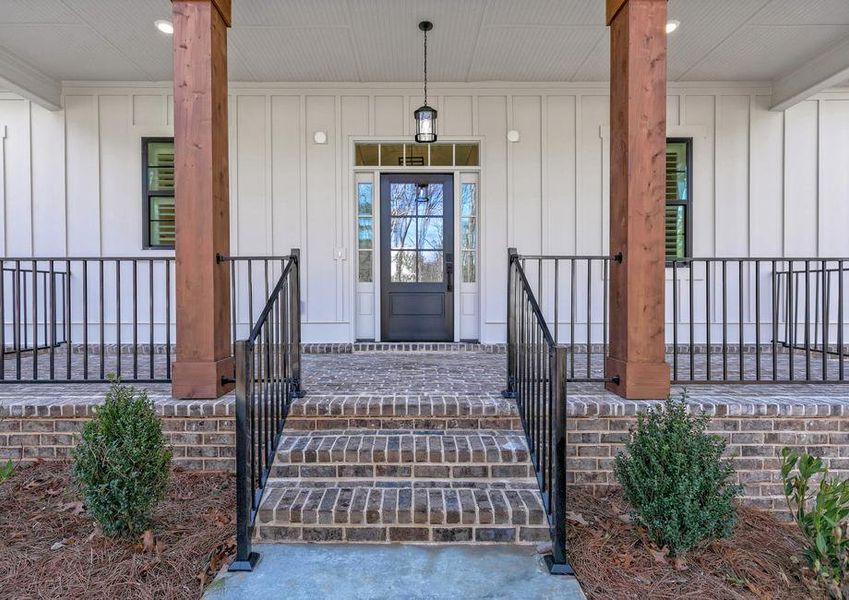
[385, 403]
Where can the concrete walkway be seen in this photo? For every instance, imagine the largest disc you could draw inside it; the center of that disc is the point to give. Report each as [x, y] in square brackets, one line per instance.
[350, 571]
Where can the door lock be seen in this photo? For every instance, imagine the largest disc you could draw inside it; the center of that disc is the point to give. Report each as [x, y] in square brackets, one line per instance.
[449, 270]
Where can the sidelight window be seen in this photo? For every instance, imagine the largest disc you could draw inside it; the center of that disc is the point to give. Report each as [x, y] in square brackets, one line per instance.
[365, 231]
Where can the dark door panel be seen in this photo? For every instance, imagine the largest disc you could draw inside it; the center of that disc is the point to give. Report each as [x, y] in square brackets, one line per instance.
[417, 257]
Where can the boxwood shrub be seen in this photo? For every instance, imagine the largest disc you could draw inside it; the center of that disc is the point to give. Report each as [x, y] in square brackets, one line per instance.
[122, 462]
[674, 477]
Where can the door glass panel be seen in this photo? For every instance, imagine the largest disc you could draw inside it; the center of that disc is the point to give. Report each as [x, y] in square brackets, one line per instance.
[403, 266]
[403, 233]
[434, 204]
[402, 199]
[430, 233]
[430, 267]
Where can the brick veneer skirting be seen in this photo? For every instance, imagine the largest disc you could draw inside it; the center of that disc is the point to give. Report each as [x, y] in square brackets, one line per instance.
[202, 434]
[756, 432]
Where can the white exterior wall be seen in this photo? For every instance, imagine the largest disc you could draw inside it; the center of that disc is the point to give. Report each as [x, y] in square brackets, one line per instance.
[765, 183]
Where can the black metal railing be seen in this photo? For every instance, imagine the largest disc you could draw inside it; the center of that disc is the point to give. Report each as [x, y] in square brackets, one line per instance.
[537, 373]
[81, 319]
[27, 328]
[572, 293]
[268, 378]
[728, 320]
[756, 320]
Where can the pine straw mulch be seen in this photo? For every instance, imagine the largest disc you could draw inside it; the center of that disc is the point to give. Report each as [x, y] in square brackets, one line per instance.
[50, 548]
[614, 560]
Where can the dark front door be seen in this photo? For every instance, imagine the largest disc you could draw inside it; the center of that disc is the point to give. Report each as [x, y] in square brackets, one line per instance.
[417, 258]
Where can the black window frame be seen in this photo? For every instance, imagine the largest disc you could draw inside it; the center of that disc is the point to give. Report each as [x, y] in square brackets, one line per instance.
[147, 193]
[687, 204]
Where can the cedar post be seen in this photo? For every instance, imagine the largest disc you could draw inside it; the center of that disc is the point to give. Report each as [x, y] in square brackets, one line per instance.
[203, 362]
[636, 362]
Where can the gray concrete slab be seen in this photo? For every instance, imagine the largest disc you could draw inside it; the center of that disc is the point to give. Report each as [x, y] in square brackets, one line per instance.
[358, 571]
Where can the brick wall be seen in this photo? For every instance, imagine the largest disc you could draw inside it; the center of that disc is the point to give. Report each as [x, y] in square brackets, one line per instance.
[202, 434]
[756, 434]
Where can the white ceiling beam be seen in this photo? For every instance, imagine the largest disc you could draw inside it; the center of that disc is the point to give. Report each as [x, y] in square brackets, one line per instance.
[820, 73]
[24, 80]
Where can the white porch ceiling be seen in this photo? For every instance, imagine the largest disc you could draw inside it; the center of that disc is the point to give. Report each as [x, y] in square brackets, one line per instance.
[377, 40]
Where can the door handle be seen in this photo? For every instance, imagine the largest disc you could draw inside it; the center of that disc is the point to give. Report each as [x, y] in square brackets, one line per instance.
[449, 270]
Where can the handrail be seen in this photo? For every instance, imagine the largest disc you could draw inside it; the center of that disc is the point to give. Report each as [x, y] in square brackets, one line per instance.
[268, 379]
[537, 380]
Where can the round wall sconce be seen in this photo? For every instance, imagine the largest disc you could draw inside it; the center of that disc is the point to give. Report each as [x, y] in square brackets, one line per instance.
[513, 136]
[320, 137]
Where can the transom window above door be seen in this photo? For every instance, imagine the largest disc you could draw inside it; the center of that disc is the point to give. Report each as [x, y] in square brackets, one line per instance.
[417, 155]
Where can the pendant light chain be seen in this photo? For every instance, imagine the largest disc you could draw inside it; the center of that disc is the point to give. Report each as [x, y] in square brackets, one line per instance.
[425, 67]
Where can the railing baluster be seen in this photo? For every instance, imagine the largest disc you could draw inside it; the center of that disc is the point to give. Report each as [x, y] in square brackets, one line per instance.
[150, 317]
[66, 286]
[840, 301]
[757, 320]
[134, 264]
[34, 319]
[740, 318]
[675, 319]
[807, 320]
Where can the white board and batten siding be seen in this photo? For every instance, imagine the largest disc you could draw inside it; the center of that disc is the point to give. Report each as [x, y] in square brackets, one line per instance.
[764, 183]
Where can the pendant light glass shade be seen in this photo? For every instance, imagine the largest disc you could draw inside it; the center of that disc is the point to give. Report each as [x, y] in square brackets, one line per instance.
[425, 115]
[425, 124]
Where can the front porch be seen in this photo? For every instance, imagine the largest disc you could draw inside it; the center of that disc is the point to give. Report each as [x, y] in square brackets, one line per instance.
[385, 395]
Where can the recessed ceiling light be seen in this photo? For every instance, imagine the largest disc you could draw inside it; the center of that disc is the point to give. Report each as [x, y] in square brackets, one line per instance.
[672, 25]
[164, 26]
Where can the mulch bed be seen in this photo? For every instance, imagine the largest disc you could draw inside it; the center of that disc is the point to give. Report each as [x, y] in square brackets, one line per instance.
[50, 548]
[614, 559]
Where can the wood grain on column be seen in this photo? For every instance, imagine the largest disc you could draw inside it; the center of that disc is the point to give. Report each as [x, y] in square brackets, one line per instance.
[201, 199]
[637, 199]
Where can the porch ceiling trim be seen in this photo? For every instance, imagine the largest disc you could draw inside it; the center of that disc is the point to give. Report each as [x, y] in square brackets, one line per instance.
[26, 81]
[820, 73]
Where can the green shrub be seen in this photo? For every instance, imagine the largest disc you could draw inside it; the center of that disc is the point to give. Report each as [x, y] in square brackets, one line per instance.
[825, 523]
[674, 477]
[122, 463]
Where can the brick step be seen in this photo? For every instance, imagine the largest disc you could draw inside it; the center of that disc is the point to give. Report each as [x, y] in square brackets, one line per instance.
[414, 411]
[413, 512]
[454, 454]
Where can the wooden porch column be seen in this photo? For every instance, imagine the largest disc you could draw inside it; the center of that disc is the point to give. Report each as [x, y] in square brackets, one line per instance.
[202, 198]
[637, 200]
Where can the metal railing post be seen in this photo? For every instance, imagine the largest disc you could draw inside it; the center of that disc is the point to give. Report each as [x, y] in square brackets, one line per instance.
[557, 562]
[510, 391]
[295, 323]
[245, 559]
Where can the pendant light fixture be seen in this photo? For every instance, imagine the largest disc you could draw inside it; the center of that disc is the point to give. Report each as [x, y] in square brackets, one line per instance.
[425, 115]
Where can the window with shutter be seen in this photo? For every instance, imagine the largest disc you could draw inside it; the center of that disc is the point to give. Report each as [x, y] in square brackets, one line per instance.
[678, 198]
[158, 192]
